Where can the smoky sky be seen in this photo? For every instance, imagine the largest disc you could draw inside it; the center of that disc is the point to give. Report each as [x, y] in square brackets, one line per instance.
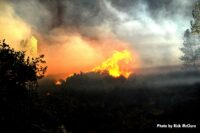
[152, 27]
[49, 14]
[77, 13]
[156, 8]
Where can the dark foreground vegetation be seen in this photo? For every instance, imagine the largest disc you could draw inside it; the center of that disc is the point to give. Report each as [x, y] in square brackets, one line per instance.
[92, 102]
[95, 103]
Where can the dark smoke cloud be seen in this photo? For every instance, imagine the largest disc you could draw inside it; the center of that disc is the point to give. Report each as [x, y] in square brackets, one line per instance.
[155, 27]
[170, 7]
[76, 14]
[156, 8]
[73, 13]
[148, 25]
[46, 15]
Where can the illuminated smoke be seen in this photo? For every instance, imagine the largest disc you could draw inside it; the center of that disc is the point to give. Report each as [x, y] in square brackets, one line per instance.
[77, 35]
[17, 33]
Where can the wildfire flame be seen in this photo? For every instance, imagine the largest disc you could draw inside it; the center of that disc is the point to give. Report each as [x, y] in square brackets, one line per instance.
[63, 51]
[58, 82]
[33, 46]
[29, 45]
[114, 64]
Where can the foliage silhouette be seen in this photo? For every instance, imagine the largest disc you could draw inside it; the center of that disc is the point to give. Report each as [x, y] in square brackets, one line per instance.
[18, 84]
[191, 47]
[91, 102]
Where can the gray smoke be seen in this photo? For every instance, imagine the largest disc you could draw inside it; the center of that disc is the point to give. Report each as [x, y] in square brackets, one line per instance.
[153, 27]
[73, 15]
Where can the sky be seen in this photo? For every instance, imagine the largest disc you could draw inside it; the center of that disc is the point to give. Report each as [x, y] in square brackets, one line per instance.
[75, 35]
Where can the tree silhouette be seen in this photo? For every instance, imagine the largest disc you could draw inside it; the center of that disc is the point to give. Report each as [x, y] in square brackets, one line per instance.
[18, 80]
[191, 45]
[17, 69]
[195, 24]
[190, 51]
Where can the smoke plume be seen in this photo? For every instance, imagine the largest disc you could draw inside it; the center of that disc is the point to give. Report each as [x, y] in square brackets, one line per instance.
[77, 34]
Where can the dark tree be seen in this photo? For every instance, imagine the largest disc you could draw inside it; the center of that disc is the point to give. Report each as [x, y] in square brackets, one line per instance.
[195, 24]
[18, 80]
[190, 51]
[191, 44]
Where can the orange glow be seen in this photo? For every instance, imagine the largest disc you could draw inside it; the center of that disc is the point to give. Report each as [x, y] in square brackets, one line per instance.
[69, 53]
[74, 53]
[58, 82]
[30, 46]
[33, 46]
[18, 34]
[12, 27]
[114, 64]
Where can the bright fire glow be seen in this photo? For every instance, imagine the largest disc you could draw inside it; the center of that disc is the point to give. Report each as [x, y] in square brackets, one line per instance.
[65, 53]
[58, 82]
[30, 46]
[33, 48]
[115, 64]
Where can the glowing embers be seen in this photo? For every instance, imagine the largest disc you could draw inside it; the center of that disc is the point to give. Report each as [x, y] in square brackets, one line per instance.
[58, 82]
[117, 65]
